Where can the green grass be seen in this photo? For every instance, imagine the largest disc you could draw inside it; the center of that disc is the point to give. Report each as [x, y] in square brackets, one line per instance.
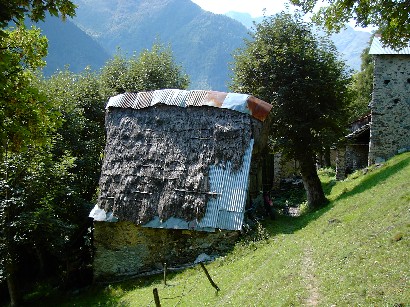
[354, 252]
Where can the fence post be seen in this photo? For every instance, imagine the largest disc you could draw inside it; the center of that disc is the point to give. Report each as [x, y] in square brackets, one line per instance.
[209, 277]
[165, 274]
[156, 297]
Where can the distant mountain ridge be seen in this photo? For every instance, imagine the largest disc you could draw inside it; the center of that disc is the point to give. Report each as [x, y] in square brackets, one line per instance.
[349, 42]
[69, 46]
[202, 42]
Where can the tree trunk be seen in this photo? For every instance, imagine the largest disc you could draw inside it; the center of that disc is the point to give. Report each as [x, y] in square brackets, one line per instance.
[14, 293]
[326, 157]
[313, 187]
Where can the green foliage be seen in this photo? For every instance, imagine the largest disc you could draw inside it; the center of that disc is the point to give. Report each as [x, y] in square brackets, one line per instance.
[150, 70]
[362, 85]
[82, 134]
[390, 16]
[300, 74]
[288, 65]
[15, 10]
[26, 117]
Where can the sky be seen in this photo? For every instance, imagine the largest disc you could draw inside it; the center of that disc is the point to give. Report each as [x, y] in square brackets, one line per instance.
[253, 7]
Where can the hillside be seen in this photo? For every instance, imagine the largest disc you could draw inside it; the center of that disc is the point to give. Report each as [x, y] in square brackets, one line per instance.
[68, 45]
[354, 252]
[201, 41]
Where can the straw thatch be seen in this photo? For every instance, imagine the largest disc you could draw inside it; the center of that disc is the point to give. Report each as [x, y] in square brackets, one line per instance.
[157, 159]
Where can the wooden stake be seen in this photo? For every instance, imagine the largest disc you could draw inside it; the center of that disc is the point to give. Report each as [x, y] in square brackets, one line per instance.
[156, 297]
[209, 277]
[165, 274]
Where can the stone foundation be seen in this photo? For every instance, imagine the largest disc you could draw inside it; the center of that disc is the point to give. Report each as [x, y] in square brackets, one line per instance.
[124, 249]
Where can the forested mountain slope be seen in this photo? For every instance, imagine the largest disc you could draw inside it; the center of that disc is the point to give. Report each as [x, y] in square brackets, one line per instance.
[201, 41]
[68, 45]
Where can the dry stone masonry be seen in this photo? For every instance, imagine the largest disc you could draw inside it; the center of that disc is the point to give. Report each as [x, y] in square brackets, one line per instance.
[390, 106]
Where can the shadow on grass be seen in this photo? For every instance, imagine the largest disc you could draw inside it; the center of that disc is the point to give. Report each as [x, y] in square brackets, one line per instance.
[289, 224]
[96, 294]
[376, 178]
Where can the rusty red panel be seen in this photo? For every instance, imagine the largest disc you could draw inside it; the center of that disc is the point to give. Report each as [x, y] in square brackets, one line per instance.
[258, 108]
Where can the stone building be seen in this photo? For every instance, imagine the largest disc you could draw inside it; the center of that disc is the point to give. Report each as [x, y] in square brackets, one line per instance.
[178, 171]
[386, 130]
[390, 105]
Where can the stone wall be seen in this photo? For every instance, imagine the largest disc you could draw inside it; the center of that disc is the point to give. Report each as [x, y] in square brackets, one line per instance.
[124, 249]
[390, 126]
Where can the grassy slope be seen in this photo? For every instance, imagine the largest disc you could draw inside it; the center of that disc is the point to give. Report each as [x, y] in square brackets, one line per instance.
[353, 252]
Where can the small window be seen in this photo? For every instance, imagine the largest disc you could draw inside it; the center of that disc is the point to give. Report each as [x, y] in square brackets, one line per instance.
[408, 80]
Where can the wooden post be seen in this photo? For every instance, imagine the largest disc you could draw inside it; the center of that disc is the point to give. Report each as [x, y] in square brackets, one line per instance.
[209, 277]
[165, 274]
[156, 297]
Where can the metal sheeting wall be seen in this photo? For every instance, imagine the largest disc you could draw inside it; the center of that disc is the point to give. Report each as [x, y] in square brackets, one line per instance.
[226, 210]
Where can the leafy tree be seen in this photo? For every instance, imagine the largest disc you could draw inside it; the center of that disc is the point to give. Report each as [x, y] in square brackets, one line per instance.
[26, 120]
[362, 85]
[15, 10]
[392, 17]
[26, 117]
[82, 133]
[150, 70]
[287, 64]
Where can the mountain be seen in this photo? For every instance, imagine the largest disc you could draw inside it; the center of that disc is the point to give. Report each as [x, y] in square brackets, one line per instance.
[69, 45]
[202, 42]
[349, 42]
[244, 18]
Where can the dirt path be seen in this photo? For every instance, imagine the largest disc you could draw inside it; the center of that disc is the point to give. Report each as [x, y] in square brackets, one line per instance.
[308, 267]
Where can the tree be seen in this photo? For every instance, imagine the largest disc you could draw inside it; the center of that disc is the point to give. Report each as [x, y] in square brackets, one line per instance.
[392, 17]
[362, 85]
[286, 63]
[26, 117]
[16, 10]
[150, 70]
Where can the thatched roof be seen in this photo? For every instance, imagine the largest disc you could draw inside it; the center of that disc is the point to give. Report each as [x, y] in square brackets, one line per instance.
[178, 167]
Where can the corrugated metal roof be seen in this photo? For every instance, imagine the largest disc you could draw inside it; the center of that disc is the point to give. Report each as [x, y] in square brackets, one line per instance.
[378, 48]
[239, 102]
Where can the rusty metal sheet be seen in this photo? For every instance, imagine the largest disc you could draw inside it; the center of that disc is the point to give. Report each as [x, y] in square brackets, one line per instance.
[258, 108]
[234, 101]
[214, 99]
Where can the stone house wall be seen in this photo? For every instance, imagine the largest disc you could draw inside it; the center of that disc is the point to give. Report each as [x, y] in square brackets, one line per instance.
[390, 126]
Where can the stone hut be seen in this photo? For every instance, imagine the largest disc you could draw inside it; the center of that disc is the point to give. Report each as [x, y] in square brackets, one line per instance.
[386, 130]
[354, 155]
[179, 169]
[390, 105]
